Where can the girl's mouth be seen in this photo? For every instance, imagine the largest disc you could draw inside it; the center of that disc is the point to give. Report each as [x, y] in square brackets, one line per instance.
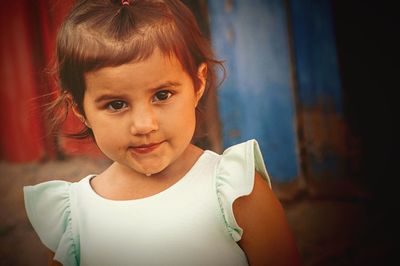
[145, 148]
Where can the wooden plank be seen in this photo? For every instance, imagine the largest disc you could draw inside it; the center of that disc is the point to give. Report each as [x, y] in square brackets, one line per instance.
[256, 100]
[319, 88]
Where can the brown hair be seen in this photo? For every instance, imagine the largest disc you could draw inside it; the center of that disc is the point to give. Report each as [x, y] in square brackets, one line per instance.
[102, 33]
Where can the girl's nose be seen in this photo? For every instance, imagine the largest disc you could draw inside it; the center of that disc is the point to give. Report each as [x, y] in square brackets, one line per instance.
[143, 121]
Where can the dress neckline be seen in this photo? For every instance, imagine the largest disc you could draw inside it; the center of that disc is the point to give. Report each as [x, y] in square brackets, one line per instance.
[183, 180]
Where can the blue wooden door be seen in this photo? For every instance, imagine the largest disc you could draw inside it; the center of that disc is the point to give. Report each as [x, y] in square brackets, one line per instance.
[256, 100]
[285, 96]
[319, 89]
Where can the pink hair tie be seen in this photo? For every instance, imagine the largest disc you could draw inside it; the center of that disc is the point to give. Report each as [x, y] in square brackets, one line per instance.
[125, 2]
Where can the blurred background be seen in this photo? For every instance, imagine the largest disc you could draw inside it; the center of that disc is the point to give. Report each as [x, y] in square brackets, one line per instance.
[312, 80]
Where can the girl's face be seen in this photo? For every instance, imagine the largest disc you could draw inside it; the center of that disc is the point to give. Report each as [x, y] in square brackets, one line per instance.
[143, 114]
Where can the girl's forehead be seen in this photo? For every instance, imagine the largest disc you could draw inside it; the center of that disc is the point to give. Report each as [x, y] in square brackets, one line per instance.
[157, 57]
[149, 73]
[157, 62]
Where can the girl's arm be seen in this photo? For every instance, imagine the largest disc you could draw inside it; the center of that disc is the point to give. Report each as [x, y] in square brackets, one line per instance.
[266, 239]
[52, 262]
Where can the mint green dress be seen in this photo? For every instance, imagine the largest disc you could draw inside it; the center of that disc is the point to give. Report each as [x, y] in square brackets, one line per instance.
[190, 223]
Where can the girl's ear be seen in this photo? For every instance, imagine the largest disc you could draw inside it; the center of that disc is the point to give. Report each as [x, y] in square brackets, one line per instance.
[74, 107]
[202, 75]
[79, 115]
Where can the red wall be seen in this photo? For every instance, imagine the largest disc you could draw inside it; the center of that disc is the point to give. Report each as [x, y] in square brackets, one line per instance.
[28, 31]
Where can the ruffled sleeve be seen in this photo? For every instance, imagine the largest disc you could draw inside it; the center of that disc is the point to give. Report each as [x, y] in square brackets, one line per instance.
[235, 178]
[48, 207]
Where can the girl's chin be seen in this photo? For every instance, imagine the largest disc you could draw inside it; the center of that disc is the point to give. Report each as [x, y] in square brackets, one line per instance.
[150, 170]
[142, 169]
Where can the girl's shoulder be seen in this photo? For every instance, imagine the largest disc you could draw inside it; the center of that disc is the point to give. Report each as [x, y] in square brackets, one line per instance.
[245, 156]
[46, 203]
[49, 207]
[235, 177]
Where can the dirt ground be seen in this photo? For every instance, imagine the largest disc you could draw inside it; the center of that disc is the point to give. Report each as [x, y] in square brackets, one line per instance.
[328, 230]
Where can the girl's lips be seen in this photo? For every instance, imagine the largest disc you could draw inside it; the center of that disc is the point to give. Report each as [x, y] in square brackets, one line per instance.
[147, 148]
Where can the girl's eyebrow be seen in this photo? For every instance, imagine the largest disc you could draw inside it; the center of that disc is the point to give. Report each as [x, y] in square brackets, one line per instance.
[166, 85]
[107, 97]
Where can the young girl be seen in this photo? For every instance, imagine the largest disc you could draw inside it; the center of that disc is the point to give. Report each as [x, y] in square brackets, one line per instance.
[135, 72]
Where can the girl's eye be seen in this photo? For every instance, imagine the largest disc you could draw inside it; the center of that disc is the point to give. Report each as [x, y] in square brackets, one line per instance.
[162, 96]
[116, 105]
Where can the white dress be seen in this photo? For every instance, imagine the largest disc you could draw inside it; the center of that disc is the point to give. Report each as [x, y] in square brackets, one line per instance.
[190, 223]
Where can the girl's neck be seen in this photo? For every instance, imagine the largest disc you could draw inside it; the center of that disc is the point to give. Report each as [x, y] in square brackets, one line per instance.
[175, 170]
[120, 182]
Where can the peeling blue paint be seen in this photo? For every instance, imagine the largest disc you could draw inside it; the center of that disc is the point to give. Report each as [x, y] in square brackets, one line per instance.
[256, 100]
[315, 51]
